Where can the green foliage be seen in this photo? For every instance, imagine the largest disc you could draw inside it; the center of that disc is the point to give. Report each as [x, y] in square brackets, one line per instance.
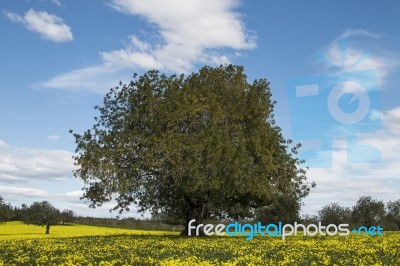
[67, 216]
[6, 210]
[368, 211]
[42, 214]
[334, 214]
[284, 209]
[393, 213]
[198, 145]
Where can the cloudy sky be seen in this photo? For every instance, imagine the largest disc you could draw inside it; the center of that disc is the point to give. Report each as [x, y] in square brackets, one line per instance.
[333, 68]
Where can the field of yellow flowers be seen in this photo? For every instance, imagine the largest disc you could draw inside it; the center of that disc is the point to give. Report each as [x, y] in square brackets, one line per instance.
[88, 245]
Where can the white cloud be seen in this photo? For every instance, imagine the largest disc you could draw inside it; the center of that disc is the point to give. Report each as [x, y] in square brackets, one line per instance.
[71, 196]
[22, 164]
[104, 211]
[28, 174]
[49, 26]
[346, 182]
[137, 53]
[98, 78]
[188, 33]
[11, 193]
[391, 119]
[375, 115]
[71, 200]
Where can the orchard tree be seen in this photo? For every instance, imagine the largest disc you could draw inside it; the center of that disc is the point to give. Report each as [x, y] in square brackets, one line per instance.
[393, 212]
[42, 214]
[334, 214]
[20, 212]
[67, 216]
[368, 211]
[285, 209]
[6, 210]
[204, 143]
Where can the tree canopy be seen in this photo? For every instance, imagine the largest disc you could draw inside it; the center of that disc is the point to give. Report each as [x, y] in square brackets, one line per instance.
[393, 212]
[185, 145]
[368, 211]
[42, 214]
[333, 213]
[67, 216]
[5, 210]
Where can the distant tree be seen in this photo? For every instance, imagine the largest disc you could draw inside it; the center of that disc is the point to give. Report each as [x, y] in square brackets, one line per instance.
[183, 144]
[2, 216]
[6, 210]
[368, 211]
[67, 216]
[309, 219]
[19, 213]
[334, 214]
[42, 214]
[393, 212]
[285, 209]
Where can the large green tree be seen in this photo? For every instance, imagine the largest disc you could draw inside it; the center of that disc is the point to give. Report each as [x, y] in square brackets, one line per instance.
[186, 145]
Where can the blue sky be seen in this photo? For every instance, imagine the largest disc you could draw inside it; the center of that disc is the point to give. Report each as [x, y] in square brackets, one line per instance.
[58, 58]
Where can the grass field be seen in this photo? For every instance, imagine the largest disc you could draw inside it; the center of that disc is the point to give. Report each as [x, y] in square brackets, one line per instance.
[89, 245]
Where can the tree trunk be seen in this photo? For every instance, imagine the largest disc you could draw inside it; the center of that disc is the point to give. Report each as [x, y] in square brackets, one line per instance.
[47, 228]
[194, 211]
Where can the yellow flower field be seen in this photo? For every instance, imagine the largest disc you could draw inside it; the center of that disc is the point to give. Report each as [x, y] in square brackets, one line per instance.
[14, 230]
[89, 245]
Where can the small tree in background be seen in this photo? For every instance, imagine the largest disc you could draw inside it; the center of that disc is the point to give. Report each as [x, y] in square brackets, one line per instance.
[334, 214]
[67, 216]
[42, 214]
[393, 213]
[307, 219]
[6, 210]
[19, 213]
[285, 209]
[368, 211]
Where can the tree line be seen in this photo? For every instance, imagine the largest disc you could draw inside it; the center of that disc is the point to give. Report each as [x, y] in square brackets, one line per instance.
[366, 212]
[38, 213]
[43, 213]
